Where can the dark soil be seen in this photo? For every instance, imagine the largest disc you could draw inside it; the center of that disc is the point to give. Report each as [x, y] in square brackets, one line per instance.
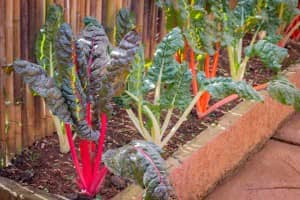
[43, 167]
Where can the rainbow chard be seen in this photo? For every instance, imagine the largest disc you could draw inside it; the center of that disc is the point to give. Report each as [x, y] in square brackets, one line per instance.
[88, 74]
[140, 161]
[169, 82]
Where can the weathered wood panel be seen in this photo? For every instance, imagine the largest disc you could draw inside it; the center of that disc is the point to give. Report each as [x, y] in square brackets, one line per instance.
[24, 117]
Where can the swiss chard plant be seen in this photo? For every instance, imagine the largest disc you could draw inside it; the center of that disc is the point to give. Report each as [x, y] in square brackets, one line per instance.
[200, 22]
[250, 17]
[168, 83]
[284, 18]
[89, 72]
[86, 76]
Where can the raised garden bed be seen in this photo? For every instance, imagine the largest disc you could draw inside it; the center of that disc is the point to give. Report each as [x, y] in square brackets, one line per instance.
[195, 167]
[43, 167]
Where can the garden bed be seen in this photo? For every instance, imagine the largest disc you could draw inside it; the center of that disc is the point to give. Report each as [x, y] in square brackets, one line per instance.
[43, 167]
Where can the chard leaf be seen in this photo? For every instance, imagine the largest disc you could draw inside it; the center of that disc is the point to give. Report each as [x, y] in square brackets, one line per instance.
[140, 161]
[177, 94]
[270, 54]
[121, 58]
[285, 92]
[91, 21]
[44, 50]
[164, 66]
[134, 83]
[113, 75]
[176, 13]
[70, 83]
[38, 80]
[94, 44]
[221, 87]
[125, 22]
[205, 28]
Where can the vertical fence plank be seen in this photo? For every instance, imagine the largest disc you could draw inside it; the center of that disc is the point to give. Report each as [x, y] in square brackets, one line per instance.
[18, 84]
[99, 10]
[67, 11]
[146, 28]
[9, 81]
[27, 116]
[73, 15]
[2, 63]
[31, 40]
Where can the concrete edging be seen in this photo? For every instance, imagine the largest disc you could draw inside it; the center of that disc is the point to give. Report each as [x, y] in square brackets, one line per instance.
[199, 165]
[10, 190]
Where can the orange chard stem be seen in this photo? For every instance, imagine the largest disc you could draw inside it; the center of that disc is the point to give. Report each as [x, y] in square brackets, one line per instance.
[229, 99]
[216, 61]
[207, 66]
[204, 99]
[194, 77]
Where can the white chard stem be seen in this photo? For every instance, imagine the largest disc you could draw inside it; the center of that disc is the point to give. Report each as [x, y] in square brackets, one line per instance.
[182, 118]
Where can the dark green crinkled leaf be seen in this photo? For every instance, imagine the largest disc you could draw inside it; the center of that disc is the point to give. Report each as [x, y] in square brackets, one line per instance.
[70, 83]
[94, 43]
[164, 63]
[36, 78]
[205, 28]
[125, 22]
[175, 12]
[91, 21]
[270, 54]
[134, 83]
[140, 161]
[221, 87]
[44, 50]
[121, 58]
[285, 92]
[177, 94]
[113, 76]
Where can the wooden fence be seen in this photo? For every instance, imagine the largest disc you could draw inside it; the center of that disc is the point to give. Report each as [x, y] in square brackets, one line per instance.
[24, 117]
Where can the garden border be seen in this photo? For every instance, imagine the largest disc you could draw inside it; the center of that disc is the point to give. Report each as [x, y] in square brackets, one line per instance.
[197, 167]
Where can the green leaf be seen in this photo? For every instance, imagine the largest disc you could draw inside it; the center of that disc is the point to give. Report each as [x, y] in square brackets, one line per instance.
[91, 21]
[38, 80]
[125, 22]
[221, 87]
[44, 47]
[134, 83]
[285, 92]
[270, 54]
[177, 94]
[70, 84]
[164, 66]
[121, 58]
[92, 55]
[176, 13]
[140, 161]
[112, 77]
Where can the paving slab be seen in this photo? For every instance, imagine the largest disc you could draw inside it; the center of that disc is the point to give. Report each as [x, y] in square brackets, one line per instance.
[271, 174]
[290, 131]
